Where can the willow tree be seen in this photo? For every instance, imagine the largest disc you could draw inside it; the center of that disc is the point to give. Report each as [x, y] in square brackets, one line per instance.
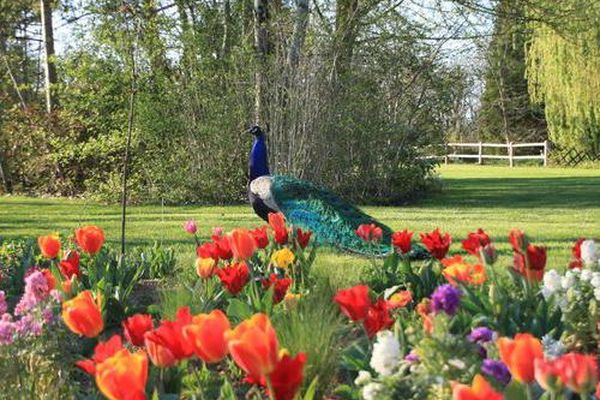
[563, 70]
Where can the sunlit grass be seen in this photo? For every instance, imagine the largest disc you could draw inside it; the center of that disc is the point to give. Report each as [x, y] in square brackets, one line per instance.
[553, 205]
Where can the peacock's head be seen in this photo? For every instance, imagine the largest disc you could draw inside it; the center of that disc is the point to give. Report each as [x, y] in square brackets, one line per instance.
[256, 131]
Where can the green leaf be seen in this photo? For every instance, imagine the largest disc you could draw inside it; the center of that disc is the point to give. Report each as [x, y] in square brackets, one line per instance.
[238, 310]
[515, 391]
[311, 392]
[227, 392]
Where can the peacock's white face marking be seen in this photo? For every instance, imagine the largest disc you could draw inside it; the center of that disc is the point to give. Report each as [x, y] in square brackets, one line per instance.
[261, 188]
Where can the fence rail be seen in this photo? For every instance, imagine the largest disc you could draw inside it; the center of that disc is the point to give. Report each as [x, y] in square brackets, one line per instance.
[510, 156]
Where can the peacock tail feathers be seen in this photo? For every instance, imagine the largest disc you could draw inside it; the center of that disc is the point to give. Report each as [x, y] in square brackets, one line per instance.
[332, 220]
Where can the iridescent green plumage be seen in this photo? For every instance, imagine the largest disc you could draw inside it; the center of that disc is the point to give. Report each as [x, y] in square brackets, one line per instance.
[332, 220]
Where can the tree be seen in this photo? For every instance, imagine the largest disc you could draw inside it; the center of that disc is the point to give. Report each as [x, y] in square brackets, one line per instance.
[507, 113]
[563, 61]
[48, 40]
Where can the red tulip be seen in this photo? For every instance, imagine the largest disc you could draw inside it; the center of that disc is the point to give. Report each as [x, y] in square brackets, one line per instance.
[254, 347]
[280, 286]
[89, 238]
[578, 372]
[518, 240]
[531, 264]
[378, 318]
[547, 374]
[260, 237]
[102, 351]
[206, 334]
[576, 249]
[277, 223]
[369, 232]
[208, 250]
[135, 328]
[475, 242]
[287, 376]
[242, 244]
[519, 355]
[166, 345]
[354, 302]
[223, 248]
[402, 240]
[303, 237]
[437, 244]
[123, 376]
[69, 265]
[49, 245]
[234, 277]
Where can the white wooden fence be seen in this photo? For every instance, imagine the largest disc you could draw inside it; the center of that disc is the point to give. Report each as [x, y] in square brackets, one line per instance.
[510, 152]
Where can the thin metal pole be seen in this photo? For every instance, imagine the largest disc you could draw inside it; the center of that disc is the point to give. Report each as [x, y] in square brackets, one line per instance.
[127, 147]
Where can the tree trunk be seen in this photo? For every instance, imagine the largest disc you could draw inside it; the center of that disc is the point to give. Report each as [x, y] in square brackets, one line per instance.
[345, 35]
[261, 45]
[49, 67]
[226, 28]
[299, 33]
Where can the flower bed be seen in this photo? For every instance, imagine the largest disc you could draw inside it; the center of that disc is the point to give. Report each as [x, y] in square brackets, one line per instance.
[251, 320]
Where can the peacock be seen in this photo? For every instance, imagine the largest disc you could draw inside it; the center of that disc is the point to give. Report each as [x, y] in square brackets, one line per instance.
[304, 204]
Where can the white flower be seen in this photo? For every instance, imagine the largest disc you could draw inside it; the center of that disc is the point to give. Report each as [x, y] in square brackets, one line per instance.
[456, 363]
[595, 282]
[552, 347]
[586, 275]
[589, 252]
[386, 353]
[568, 281]
[370, 391]
[363, 378]
[551, 281]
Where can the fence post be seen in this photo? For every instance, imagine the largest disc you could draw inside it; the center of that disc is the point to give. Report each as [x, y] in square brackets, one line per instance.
[446, 153]
[545, 153]
[480, 153]
[510, 154]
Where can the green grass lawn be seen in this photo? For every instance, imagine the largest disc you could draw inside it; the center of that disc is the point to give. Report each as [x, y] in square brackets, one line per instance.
[553, 205]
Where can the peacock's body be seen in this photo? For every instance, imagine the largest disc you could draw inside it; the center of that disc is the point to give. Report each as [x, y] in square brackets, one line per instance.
[332, 220]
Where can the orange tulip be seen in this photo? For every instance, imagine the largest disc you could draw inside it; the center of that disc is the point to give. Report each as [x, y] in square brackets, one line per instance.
[457, 269]
[83, 315]
[90, 238]
[205, 267]
[254, 347]
[519, 355]
[50, 279]
[49, 245]
[123, 376]
[479, 390]
[242, 244]
[400, 299]
[206, 334]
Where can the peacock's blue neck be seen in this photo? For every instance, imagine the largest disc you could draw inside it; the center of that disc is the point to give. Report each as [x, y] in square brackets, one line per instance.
[259, 161]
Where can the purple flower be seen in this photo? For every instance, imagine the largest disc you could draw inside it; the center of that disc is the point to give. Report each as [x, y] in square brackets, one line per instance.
[412, 357]
[48, 315]
[3, 305]
[7, 330]
[28, 325]
[481, 335]
[497, 370]
[446, 298]
[190, 227]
